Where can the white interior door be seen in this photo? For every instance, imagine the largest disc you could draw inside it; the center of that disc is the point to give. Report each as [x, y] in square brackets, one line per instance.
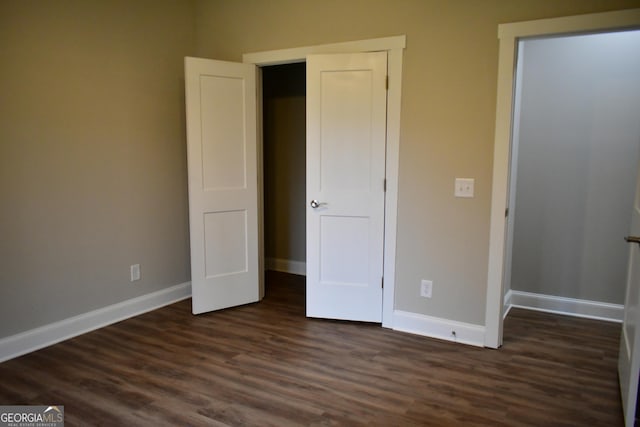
[629, 357]
[223, 197]
[346, 128]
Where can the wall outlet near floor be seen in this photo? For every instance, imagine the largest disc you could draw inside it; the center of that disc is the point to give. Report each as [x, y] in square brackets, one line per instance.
[135, 272]
[425, 288]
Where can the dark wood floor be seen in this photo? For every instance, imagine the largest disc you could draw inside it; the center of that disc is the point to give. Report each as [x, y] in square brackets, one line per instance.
[265, 364]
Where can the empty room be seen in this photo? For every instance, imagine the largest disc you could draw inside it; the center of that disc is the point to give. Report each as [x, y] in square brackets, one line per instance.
[248, 212]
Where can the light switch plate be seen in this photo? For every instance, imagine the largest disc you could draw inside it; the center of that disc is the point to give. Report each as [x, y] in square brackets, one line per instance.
[464, 187]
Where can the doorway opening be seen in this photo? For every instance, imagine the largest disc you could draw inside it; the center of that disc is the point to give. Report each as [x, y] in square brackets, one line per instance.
[574, 160]
[509, 35]
[575, 147]
[284, 170]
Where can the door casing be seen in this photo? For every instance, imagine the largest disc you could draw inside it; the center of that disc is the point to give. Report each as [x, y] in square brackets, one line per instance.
[394, 47]
[509, 35]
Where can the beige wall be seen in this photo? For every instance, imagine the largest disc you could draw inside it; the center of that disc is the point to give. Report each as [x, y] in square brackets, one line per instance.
[448, 114]
[92, 154]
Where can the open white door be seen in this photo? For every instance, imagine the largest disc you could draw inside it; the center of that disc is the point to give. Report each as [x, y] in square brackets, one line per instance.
[223, 198]
[346, 131]
[629, 357]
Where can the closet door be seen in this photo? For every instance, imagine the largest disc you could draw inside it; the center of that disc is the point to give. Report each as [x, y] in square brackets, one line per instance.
[346, 141]
[223, 193]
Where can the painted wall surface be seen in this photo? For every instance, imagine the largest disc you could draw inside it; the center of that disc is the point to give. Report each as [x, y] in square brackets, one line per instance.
[578, 158]
[284, 111]
[92, 154]
[448, 116]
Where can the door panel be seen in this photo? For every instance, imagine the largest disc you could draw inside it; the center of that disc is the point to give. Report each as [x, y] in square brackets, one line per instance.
[223, 144]
[346, 131]
[223, 198]
[629, 356]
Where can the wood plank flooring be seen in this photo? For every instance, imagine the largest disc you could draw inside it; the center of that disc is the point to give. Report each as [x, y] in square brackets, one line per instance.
[265, 364]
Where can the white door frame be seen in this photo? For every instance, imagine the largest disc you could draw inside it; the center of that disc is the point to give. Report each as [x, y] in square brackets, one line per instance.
[394, 47]
[509, 35]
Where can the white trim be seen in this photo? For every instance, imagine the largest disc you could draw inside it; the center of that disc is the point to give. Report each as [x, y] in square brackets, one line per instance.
[287, 266]
[508, 35]
[299, 54]
[568, 306]
[394, 66]
[499, 193]
[513, 173]
[434, 327]
[260, 159]
[35, 339]
[394, 46]
[591, 22]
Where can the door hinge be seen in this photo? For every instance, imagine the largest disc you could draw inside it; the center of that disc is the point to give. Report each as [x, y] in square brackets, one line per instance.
[506, 212]
[384, 185]
[387, 83]
[382, 282]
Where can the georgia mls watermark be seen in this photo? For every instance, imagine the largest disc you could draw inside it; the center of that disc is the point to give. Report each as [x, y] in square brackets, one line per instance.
[32, 416]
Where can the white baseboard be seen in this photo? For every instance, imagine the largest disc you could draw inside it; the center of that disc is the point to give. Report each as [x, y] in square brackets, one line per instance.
[434, 327]
[35, 339]
[506, 305]
[286, 266]
[567, 306]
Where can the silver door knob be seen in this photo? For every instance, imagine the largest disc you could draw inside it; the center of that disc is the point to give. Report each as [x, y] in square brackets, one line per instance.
[316, 204]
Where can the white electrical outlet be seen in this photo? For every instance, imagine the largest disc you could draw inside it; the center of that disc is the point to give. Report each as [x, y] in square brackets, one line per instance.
[464, 187]
[135, 272]
[426, 287]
